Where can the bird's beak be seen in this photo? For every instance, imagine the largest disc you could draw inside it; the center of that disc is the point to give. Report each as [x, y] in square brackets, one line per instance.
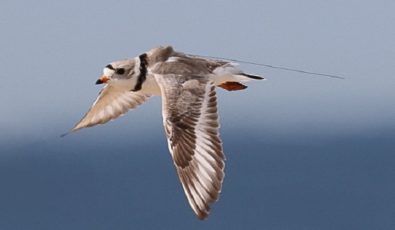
[102, 79]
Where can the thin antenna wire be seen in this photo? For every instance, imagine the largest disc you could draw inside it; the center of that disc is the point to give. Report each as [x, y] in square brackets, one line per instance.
[277, 67]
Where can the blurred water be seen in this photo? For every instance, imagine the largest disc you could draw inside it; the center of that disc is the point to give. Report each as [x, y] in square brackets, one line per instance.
[84, 183]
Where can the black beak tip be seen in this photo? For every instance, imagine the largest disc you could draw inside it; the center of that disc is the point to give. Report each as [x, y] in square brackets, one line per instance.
[99, 81]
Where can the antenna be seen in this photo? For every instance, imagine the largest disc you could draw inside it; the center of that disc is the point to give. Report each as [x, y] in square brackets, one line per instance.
[277, 67]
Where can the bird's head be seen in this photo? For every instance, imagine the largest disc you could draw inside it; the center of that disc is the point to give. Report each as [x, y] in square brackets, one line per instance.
[119, 70]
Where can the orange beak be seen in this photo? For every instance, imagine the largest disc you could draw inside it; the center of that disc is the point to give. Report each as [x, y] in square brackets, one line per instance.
[102, 79]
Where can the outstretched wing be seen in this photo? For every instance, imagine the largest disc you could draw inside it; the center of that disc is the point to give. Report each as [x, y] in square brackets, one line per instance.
[191, 123]
[111, 103]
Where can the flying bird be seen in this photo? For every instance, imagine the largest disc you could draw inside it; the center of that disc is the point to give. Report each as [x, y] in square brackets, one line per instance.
[187, 85]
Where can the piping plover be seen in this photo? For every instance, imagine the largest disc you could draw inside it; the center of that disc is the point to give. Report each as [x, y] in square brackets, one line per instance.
[189, 108]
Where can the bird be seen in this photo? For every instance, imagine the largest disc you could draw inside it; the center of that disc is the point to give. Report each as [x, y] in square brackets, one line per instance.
[187, 84]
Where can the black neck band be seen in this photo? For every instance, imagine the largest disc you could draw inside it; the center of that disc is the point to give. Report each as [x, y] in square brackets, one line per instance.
[143, 72]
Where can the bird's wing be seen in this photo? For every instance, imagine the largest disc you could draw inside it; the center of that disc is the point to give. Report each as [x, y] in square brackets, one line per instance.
[111, 103]
[190, 119]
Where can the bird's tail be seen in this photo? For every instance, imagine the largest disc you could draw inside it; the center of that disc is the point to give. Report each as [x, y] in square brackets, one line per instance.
[230, 77]
[256, 77]
[235, 82]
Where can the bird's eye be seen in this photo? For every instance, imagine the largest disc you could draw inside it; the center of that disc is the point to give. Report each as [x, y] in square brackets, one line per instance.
[120, 71]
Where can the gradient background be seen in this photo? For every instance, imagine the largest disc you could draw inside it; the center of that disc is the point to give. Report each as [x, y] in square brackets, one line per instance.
[303, 152]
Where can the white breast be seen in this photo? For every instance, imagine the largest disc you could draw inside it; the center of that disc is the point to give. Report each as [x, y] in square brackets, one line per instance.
[150, 86]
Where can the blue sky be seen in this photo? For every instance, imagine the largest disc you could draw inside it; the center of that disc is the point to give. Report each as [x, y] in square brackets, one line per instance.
[53, 52]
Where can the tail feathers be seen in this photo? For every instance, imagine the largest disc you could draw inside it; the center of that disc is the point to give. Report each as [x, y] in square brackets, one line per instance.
[256, 77]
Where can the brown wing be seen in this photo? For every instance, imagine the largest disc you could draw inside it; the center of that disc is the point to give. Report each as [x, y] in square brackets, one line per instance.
[191, 124]
[110, 104]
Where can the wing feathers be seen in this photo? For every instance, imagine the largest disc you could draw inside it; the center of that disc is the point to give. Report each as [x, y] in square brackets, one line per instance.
[111, 103]
[191, 123]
